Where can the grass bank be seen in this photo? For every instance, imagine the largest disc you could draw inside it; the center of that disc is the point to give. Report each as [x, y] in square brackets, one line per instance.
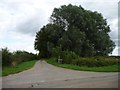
[112, 68]
[20, 67]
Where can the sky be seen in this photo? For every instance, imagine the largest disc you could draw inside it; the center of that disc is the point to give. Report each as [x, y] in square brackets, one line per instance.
[21, 19]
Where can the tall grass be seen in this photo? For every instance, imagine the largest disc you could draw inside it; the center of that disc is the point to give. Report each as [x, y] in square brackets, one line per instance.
[18, 68]
[96, 61]
[109, 68]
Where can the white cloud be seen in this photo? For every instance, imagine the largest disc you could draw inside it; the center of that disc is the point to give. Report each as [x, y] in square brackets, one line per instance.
[17, 41]
[115, 52]
[114, 29]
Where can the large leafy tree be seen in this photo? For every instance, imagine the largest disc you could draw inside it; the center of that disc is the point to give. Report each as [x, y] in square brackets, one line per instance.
[47, 38]
[75, 29]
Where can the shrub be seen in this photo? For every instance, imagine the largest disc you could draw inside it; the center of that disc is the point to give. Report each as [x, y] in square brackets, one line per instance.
[56, 52]
[95, 61]
[68, 56]
[6, 57]
[72, 58]
[105, 61]
[12, 59]
[21, 56]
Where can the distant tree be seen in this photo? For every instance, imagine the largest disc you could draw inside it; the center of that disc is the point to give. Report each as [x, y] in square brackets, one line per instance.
[75, 29]
[6, 57]
[21, 56]
[14, 58]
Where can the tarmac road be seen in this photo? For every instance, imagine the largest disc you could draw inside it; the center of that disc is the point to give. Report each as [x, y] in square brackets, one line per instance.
[44, 75]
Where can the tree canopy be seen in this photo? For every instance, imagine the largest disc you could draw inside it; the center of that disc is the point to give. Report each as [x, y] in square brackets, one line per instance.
[75, 29]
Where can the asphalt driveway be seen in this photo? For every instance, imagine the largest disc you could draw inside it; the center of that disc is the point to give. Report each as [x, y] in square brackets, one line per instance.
[44, 75]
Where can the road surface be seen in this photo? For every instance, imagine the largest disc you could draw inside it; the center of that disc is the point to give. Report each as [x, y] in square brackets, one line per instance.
[44, 75]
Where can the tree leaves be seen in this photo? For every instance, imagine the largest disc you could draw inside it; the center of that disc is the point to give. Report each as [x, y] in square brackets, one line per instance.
[75, 29]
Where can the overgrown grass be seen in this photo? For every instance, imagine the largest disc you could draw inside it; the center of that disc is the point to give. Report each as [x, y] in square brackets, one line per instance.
[111, 68]
[69, 57]
[20, 67]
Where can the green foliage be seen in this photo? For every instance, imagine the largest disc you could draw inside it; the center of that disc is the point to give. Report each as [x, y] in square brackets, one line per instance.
[18, 68]
[94, 61]
[110, 68]
[21, 56]
[6, 57]
[75, 29]
[67, 57]
[56, 52]
[47, 38]
[12, 59]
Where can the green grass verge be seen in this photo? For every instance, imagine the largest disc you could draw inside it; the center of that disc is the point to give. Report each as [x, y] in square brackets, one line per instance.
[20, 67]
[112, 68]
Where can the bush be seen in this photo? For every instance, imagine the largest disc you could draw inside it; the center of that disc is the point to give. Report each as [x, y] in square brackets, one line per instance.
[94, 61]
[6, 57]
[56, 52]
[12, 59]
[68, 56]
[108, 61]
[22, 56]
